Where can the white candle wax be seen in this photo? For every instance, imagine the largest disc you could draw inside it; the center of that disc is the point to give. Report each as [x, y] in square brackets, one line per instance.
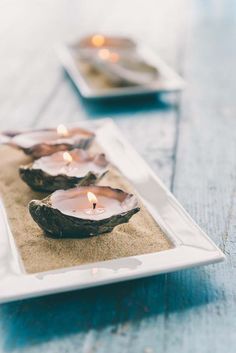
[80, 165]
[77, 206]
[29, 139]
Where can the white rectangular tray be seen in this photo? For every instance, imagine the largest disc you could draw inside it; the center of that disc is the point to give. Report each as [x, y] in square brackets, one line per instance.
[192, 247]
[167, 81]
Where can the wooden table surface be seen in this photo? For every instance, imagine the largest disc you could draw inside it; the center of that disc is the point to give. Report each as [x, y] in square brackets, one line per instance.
[189, 141]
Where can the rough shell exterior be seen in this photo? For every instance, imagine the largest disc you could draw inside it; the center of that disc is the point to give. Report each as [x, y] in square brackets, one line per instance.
[44, 149]
[59, 225]
[39, 180]
[76, 140]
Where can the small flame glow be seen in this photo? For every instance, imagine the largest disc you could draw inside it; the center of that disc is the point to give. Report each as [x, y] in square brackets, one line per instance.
[91, 197]
[104, 54]
[67, 157]
[94, 210]
[114, 57]
[98, 40]
[62, 130]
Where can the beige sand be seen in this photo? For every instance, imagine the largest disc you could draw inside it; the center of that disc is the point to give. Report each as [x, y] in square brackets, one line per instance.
[40, 253]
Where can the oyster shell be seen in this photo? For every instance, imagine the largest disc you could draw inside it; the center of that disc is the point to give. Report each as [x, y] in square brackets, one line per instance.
[13, 133]
[51, 173]
[44, 142]
[56, 215]
[99, 41]
[126, 68]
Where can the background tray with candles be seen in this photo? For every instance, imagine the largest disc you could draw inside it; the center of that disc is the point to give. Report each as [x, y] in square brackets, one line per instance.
[103, 66]
[120, 224]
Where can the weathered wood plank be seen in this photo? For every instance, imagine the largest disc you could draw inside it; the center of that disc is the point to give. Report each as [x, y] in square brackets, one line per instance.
[139, 316]
[205, 177]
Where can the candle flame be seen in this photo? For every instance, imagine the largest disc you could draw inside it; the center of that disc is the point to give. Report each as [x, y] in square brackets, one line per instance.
[91, 197]
[106, 54]
[98, 40]
[94, 210]
[114, 57]
[62, 130]
[67, 157]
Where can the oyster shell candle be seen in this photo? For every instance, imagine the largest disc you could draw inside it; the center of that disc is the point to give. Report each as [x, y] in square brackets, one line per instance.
[64, 170]
[124, 66]
[116, 59]
[101, 41]
[83, 211]
[44, 142]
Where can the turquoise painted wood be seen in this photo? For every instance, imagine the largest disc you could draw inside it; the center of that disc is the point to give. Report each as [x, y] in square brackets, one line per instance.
[190, 142]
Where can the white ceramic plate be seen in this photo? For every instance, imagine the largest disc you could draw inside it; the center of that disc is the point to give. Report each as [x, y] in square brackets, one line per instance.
[167, 81]
[192, 247]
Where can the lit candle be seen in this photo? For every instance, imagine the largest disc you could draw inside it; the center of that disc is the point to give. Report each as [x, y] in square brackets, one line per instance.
[38, 143]
[62, 131]
[63, 170]
[67, 157]
[106, 54]
[98, 40]
[65, 213]
[114, 57]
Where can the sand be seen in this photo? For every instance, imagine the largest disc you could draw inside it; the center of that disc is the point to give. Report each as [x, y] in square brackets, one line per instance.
[39, 253]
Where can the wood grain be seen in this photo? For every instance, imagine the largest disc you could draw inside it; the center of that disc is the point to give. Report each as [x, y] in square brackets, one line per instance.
[189, 141]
